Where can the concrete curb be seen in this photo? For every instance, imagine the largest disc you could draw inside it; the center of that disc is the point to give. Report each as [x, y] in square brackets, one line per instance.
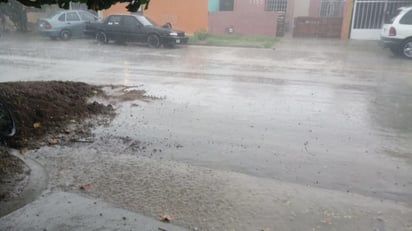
[37, 183]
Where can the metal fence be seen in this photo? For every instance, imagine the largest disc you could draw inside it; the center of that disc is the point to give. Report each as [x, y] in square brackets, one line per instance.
[331, 8]
[371, 14]
[276, 5]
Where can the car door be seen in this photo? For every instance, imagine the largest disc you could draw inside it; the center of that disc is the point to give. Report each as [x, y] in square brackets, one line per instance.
[130, 28]
[86, 18]
[113, 28]
[74, 23]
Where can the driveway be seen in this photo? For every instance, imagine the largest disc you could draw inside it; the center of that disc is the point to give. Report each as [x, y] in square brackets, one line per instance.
[311, 135]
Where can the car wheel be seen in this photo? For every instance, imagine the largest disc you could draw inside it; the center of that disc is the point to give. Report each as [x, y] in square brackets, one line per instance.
[101, 37]
[407, 48]
[153, 41]
[65, 35]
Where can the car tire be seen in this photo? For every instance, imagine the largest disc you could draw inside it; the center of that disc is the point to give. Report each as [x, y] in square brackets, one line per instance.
[406, 48]
[153, 41]
[101, 37]
[65, 35]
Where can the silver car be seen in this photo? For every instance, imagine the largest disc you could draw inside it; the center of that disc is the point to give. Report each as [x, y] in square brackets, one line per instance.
[65, 24]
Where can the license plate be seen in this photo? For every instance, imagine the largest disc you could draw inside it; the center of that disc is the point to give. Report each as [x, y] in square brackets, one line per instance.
[177, 40]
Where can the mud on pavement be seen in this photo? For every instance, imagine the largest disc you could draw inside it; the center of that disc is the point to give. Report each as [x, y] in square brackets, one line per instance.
[51, 113]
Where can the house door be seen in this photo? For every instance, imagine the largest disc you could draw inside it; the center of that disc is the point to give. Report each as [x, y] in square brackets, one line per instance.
[369, 16]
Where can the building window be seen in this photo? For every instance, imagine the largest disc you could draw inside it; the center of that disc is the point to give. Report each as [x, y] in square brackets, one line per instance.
[226, 5]
[220, 5]
[276, 5]
[331, 8]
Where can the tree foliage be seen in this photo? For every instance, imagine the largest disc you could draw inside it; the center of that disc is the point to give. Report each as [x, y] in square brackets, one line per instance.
[133, 5]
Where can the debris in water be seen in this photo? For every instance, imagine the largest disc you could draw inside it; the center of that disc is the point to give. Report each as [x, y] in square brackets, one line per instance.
[53, 141]
[165, 218]
[37, 125]
[85, 187]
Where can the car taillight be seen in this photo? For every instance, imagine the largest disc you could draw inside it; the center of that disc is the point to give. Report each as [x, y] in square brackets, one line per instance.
[392, 31]
[46, 25]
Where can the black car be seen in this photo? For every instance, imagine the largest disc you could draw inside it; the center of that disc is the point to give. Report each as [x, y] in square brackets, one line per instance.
[135, 28]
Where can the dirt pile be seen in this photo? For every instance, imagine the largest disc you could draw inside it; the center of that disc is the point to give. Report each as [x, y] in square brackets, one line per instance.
[42, 108]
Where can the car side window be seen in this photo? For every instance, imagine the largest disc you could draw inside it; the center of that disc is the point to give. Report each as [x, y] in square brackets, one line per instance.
[72, 16]
[114, 20]
[407, 18]
[130, 21]
[62, 17]
[87, 16]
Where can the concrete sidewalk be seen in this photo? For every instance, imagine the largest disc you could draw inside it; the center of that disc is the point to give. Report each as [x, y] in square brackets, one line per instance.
[67, 211]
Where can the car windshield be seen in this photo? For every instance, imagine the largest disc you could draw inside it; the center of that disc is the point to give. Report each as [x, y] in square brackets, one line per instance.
[145, 21]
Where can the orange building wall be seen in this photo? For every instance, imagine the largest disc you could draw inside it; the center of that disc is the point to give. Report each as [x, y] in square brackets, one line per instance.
[118, 8]
[187, 15]
[347, 19]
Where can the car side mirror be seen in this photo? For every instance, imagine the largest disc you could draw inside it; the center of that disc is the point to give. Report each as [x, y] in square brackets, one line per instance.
[167, 25]
[7, 124]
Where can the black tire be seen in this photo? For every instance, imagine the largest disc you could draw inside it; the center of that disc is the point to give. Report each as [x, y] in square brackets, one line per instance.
[65, 35]
[7, 122]
[406, 49]
[101, 37]
[153, 41]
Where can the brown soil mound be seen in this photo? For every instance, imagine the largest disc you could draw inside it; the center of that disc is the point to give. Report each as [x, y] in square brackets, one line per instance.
[42, 108]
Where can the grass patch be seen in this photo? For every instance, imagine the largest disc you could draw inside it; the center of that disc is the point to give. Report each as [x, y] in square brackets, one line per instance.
[204, 38]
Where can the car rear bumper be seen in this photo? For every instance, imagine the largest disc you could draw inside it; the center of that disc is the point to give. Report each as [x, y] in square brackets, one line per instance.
[49, 33]
[386, 42]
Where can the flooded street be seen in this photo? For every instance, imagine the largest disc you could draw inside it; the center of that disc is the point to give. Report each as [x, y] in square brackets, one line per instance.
[312, 135]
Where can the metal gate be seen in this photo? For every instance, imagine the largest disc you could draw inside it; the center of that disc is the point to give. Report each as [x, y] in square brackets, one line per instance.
[331, 8]
[369, 16]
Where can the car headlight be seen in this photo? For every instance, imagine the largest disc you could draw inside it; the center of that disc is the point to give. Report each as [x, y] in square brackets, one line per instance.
[173, 34]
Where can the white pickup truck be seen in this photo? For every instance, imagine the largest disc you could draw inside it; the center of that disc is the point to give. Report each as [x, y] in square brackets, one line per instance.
[396, 33]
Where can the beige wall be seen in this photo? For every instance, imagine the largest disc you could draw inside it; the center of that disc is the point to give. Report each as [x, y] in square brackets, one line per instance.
[301, 8]
[118, 8]
[45, 11]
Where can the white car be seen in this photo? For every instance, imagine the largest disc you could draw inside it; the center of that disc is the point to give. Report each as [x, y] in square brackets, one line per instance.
[396, 33]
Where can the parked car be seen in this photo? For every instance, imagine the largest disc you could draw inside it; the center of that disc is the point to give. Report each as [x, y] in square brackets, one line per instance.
[135, 28]
[397, 33]
[65, 24]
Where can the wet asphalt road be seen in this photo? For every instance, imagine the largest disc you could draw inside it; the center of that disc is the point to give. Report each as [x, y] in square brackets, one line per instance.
[241, 138]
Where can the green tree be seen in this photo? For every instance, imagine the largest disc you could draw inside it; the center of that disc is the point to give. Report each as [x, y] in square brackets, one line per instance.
[16, 12]
[133, 5]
